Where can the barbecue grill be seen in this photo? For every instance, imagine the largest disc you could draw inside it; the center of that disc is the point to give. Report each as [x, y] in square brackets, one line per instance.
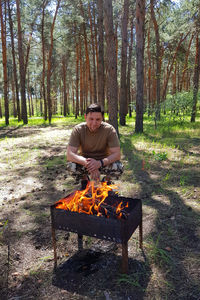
[111, 229]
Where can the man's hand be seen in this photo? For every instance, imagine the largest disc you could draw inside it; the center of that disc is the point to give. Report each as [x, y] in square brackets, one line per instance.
[95, 175]
[92, 165]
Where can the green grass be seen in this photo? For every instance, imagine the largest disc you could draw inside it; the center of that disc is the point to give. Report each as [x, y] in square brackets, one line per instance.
[55, 161]
[162, 165]
[156, 254]
[133, 279]
[39, 121]
[162, 143]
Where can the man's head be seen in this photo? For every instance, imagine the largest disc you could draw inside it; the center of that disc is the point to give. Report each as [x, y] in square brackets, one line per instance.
[95, 107]
[94, 116]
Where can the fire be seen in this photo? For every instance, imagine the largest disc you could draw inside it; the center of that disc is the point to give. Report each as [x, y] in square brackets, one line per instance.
[91, 201]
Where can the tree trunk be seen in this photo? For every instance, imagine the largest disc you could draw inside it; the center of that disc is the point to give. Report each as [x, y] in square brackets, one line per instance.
[140, 22]
[129, 69]
[1, 116]
[112, 88]
[96, 43]
[4, 55]
[81, 78]
[21, 66]
[196, 79]
[85, 86]
[123, 86]
[14, 62]
[13, 97]
[186, 64]
[93, 56]
[73, 102]
[43, 61]
[158, 64]
[149, 70]
[100, 77]
[116, 39]
[174, 85]
[153, 90]
[87, 54]
[29, 100]
[64, 86]
[77, 80]
[169, 70]
[145, 83]
[49, 66]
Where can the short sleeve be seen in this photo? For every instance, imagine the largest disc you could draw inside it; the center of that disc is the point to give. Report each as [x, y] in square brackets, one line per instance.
[113, 140]
[74, 139]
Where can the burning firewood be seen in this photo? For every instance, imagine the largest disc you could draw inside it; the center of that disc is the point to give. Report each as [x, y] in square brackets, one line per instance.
[92, 201]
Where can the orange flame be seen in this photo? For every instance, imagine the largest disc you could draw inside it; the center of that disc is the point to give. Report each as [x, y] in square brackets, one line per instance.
[91, 201]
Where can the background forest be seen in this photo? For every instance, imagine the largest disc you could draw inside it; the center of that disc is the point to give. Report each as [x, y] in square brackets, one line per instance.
[59, 56]
[139, 59]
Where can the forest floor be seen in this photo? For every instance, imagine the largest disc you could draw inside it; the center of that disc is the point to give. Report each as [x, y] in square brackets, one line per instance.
[33, 176]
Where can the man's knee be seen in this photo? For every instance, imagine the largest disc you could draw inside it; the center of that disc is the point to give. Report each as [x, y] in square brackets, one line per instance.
[71, 167]
[115, 169]
[76, 170]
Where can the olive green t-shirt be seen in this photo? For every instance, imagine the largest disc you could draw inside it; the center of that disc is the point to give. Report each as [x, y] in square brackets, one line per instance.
[95, 145]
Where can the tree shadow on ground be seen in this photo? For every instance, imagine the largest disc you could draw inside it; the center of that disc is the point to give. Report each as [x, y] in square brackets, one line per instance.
[94, 273]
[34, 228]
[175, 228]
[18, 132]
[25, 131]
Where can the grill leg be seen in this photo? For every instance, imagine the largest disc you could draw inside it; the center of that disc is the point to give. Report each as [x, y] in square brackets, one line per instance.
[125, 258]
[80, 242]
[54, 246]
[140, 236]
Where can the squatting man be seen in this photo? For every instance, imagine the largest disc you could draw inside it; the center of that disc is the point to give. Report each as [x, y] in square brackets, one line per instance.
[94, 148]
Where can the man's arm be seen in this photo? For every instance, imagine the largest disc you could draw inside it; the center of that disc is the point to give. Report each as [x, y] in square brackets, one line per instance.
[74, 157]
[114, 155]
[93, 164]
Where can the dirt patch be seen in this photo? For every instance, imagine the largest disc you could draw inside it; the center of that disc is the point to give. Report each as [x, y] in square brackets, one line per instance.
[34, 176]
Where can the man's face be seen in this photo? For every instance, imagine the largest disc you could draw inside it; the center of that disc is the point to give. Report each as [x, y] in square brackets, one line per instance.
[93, 120]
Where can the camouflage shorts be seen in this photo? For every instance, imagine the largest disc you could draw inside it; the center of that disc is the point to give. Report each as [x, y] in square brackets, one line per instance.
[114, 170]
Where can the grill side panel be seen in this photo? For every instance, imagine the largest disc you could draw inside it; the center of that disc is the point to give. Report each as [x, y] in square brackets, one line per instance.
[89, 225]
[118, 230]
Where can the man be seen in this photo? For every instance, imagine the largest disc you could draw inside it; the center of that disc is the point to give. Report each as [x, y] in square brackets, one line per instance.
[94, 148]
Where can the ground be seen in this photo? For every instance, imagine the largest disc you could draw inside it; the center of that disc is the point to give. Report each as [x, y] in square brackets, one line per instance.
[33, 176]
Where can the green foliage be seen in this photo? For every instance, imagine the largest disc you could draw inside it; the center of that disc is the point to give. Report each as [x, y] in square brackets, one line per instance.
[179, 104]
[3, 225]
[39, 121]
[167, 177]
[55, 161]
[46, 258]
[132, 279]
[183, 180]
[159, 156]
[156, 254]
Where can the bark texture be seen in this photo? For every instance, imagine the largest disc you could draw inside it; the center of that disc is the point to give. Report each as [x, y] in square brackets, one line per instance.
[49, 65]
[140, 23]
[21, 66]
[196, 79]
[123, 81]
[16, 87]
[100, 69]
[4, 55]
[112, 87]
